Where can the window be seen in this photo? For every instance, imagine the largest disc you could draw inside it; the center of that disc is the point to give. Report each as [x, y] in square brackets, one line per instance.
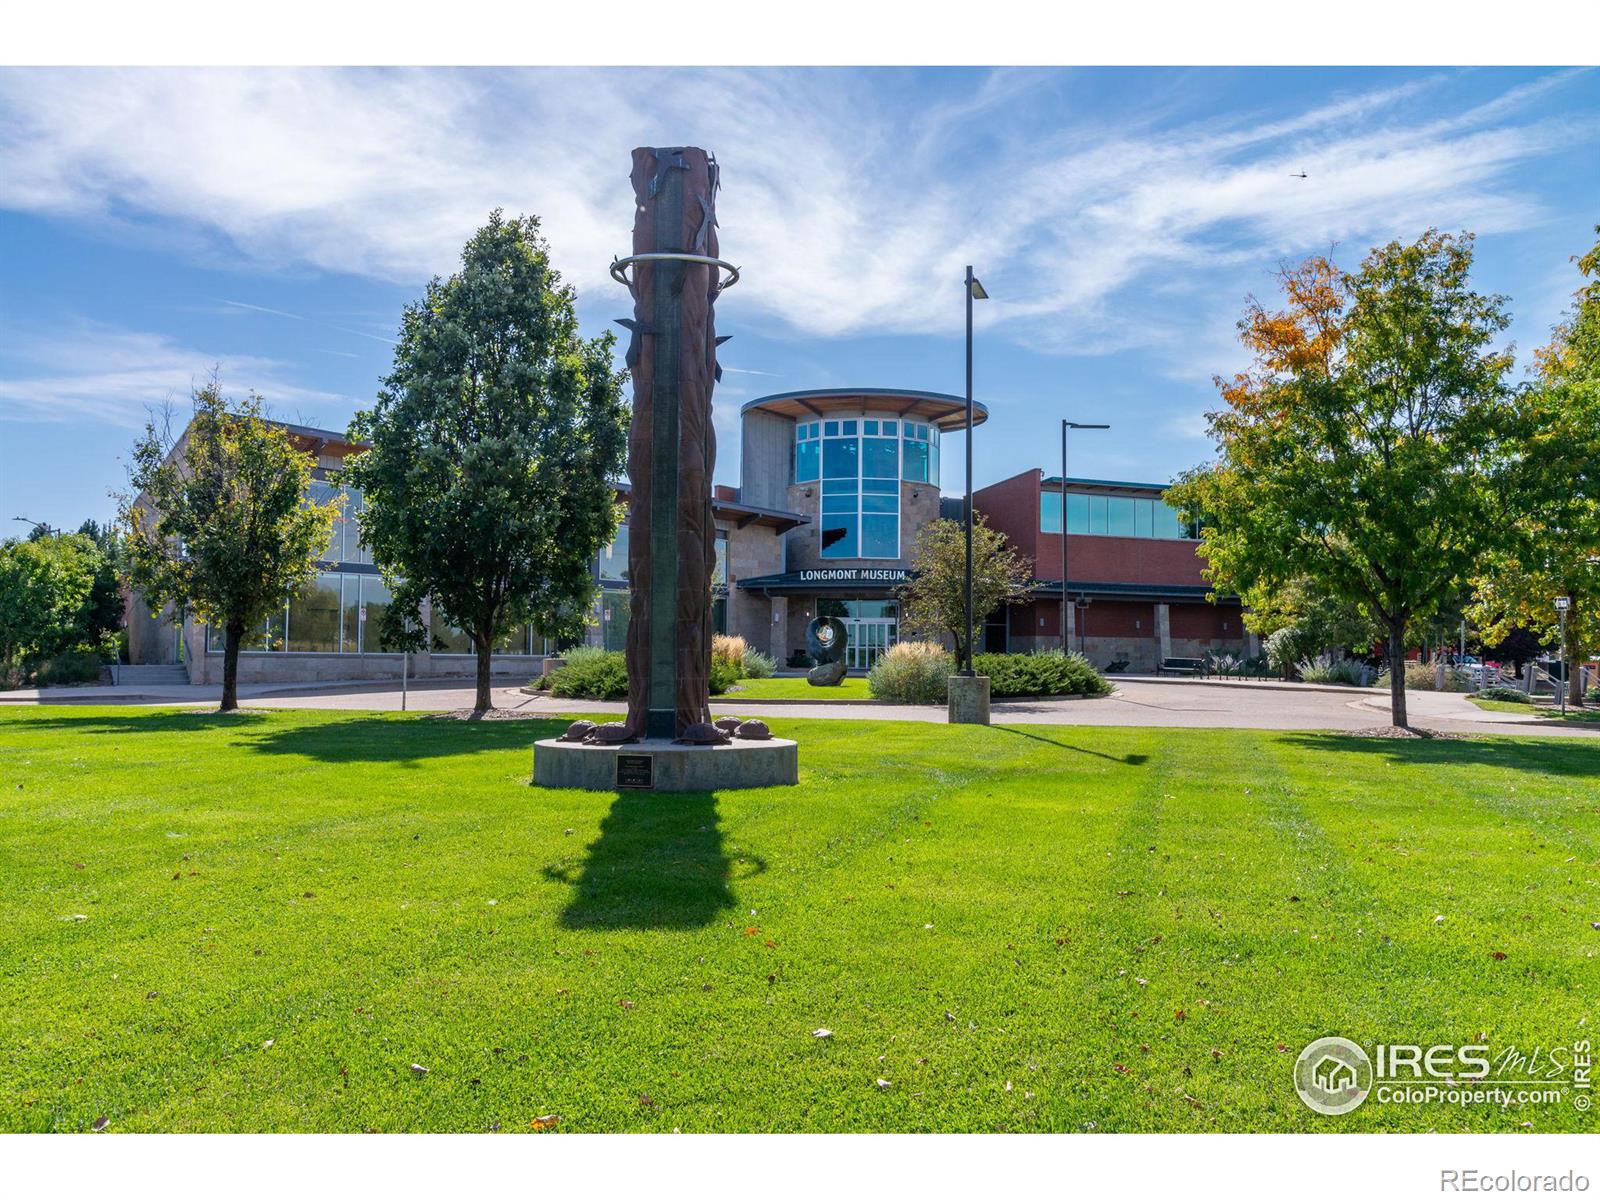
[841, 457]
[614, 558]
[314, 617]
[614, 614]
[1049, 512]
[807, 451]
[1113, 516]
[860, 463]
[375, 601]
[917, 462]
[880, 456]
[719, 571]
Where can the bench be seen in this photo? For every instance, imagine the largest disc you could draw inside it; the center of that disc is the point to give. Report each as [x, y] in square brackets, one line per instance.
[1181, 666]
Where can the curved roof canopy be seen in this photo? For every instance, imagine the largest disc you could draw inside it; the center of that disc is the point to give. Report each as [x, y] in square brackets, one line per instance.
[945, 411]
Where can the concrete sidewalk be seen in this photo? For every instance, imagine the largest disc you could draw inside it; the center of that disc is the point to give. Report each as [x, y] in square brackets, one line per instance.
[1172, 703]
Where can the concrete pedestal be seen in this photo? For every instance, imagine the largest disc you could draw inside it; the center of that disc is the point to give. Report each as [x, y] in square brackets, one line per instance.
[658, 765]
[969, 699]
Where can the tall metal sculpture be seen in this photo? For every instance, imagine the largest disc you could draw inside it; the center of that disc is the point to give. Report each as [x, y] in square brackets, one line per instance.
[671, 447]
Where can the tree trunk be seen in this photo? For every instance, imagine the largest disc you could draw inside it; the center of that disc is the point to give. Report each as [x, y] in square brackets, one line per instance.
[484, 701]
[1397, 675]
[232, 636]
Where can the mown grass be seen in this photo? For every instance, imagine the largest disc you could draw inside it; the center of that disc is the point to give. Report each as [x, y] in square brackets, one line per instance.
[1017, 928]
[1574, 715]
[791, 687]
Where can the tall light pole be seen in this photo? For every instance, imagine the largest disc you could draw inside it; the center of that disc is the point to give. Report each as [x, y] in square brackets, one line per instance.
[1066, 645]
[974, 291]
[1563, 603]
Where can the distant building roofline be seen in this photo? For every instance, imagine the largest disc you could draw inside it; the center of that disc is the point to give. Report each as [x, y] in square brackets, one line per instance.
[937, 408]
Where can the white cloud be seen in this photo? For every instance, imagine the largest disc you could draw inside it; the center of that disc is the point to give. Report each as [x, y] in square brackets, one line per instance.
[116, 376]
[851, 209]
[1188, 427]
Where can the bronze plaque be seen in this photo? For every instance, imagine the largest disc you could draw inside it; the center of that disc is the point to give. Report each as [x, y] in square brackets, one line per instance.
[636, 771]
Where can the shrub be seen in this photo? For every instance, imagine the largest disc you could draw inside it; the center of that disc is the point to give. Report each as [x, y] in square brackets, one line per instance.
[1330, 668]
[1593, 694]
[728, 648]
[590, 673]
[1048, 673]
[75, 666]
[758, 665]
[911, 673]
[1498, 692]
[1419, 678]
[725, 673]
[1284, 650]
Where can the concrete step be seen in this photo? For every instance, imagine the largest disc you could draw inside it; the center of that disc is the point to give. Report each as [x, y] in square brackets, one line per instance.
[152, 673]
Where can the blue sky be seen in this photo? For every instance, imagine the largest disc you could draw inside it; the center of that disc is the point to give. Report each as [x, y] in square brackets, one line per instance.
[154, 223]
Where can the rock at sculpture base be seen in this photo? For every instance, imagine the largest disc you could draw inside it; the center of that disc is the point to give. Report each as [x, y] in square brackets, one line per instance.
[827, 675]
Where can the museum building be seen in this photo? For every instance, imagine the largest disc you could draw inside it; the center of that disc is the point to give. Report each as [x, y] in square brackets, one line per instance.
[835, 487]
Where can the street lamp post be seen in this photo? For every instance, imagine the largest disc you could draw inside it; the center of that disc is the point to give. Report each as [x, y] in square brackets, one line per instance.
[1066, 644]
[974, 291]
[1563, 603]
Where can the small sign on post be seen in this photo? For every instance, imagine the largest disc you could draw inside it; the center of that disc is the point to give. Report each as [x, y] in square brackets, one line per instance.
[1563, 603]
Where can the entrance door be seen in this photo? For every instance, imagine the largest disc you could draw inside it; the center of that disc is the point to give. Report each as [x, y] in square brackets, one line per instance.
[868, 638]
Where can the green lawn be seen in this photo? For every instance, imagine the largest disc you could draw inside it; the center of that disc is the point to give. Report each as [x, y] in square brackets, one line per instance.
[795, 687]
[1581, 716]
[1026, 928]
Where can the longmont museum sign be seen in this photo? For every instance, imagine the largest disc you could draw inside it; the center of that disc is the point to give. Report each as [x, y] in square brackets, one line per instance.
[814, 577]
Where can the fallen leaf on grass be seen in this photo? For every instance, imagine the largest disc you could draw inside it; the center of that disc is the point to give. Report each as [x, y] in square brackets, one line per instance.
[1180, 1015]
[540, 1124]
[100, 1124]
[267, 1045]
[625, 1003]
[883, 1084]
[418, 1069]
[751, 930]
[1120, 1069]
[822, 1033]
[1498, 955]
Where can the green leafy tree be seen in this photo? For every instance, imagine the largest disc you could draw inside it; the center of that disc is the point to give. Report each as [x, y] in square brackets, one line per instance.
[47, 601]
[933, 599]
[1357, 449]
[493, 445]
[1301, 621]
[1551, 500]
[219, 523]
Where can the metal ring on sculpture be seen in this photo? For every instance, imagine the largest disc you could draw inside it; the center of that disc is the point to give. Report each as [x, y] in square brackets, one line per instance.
[826, 638]
[619, 266]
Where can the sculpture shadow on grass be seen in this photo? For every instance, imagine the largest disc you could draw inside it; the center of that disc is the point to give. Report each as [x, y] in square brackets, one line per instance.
[1127, 760]
[659, 863]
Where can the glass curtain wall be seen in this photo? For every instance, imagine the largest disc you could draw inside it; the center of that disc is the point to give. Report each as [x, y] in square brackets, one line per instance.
[1114, 516]
[860, 463]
